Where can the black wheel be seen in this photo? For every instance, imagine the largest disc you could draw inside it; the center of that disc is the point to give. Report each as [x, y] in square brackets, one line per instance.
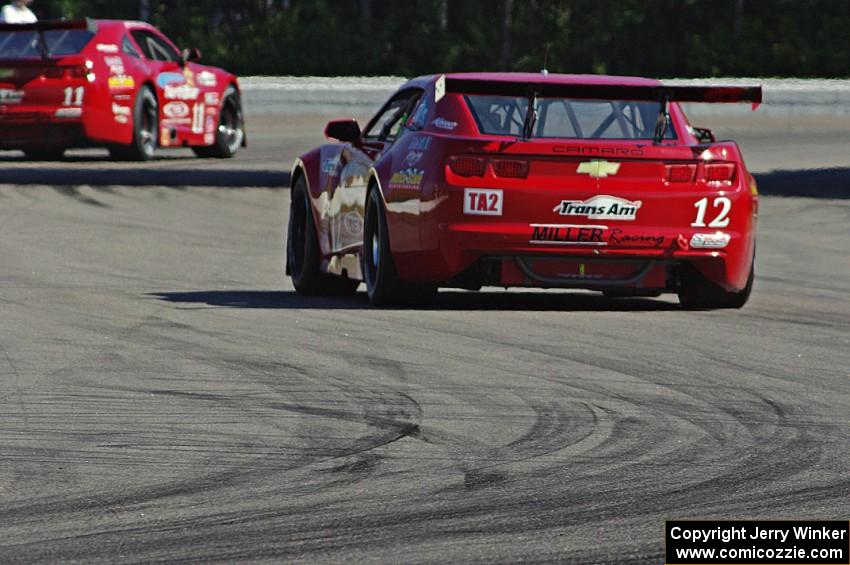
[699, 293]
[231, 129]
[383, 284]
[303, 256]
[145, 128]
[44, 153]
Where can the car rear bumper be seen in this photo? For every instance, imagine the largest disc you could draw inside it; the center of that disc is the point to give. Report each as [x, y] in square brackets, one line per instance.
[25, 127]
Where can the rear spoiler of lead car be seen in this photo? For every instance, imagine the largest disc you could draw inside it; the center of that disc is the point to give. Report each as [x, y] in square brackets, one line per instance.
[50, 25]
[653, 93]
[660, 93]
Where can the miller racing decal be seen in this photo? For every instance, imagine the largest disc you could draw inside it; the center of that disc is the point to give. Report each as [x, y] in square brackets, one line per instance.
[407, 179]
[560, 234]
[600, 207]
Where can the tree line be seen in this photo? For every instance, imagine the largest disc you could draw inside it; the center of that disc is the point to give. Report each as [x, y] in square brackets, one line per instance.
[664, 38]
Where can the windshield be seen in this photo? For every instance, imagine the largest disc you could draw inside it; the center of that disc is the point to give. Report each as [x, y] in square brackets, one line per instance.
[567, 118]
[52, 43]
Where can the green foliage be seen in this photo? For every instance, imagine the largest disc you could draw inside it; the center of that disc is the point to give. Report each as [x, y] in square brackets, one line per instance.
[364, 37]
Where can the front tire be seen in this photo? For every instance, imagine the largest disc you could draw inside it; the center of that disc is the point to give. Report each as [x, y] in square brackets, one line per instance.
[303, 255]
[383, 284]
[145, 128]
[230, 132]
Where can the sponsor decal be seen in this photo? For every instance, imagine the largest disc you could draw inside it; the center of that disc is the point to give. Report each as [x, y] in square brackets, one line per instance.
[176, 121]
[209, 138]
[329, 165]
[170, 79]
[407, 179]
[353, 223]
[594, 151]
[122, 114]
[121, 82]
[561, 234]
[413, 157]
[8, 96]
[165, 137]
[440, 88]
[182, 92]
[206, 78]
[717, 240]
[7, 73]
[198, 118]
[69, 112]
[600, 207]
[598, 169]
[419, 143]
[210, 124]
[115, 64]
[189, 76]
[107, 48]
[176, 110]
[212, 112]
[617, 237]
[212, 98]
[482, 202]
[443, 123]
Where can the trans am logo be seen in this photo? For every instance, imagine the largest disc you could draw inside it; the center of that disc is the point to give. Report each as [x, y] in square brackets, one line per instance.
[600, 208]
[408, 178]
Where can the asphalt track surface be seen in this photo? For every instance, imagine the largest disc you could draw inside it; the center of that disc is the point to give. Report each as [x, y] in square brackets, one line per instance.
[165, 396]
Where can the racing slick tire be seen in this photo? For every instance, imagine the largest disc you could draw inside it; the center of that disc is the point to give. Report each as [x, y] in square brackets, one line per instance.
[303, 257]
[230, 132]
[698, 293]
[383, 284]
[44, 153]
[145, 129]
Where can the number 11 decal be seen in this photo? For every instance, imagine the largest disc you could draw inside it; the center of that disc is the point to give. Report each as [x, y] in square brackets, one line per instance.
[722, 218]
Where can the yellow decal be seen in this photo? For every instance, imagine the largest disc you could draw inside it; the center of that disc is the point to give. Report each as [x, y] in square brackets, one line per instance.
[598, 169]
[754, 187]
[121, 82]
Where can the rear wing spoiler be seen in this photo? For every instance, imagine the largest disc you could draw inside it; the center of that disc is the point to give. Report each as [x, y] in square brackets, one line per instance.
[50, 25]
[656, 93]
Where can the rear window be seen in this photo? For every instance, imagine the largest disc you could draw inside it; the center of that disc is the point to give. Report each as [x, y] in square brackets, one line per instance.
[567, 118]
[52, 43]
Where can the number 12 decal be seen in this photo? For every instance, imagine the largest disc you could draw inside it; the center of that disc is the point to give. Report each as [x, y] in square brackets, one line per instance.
[722, 218]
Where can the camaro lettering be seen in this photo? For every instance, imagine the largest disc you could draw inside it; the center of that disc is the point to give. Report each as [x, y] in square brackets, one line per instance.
[600, 151]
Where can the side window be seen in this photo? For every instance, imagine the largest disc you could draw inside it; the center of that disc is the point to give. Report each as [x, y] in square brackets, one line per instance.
[419, 117]
[387, 125]
[128, 48]
[154, 47]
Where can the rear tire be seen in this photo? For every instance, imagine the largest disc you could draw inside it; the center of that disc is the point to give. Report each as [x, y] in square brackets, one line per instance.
[383, 284]
[145, 129]
[303, 255]
[699, 293]
[45, 153]
[230, 131]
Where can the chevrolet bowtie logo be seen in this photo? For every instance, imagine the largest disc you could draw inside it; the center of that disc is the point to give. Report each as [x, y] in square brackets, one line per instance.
[598, 169]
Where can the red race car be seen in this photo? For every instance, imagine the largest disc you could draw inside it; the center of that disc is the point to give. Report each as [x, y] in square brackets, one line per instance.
[532, 180]
[122, 85]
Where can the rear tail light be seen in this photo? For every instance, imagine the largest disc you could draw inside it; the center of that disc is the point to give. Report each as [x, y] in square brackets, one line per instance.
[719, 172]
[680, 173]
[467, 166]
[66, 72]
[511, 169]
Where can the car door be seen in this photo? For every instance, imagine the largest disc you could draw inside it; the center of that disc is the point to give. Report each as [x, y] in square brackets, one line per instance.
[181, 109]
[348, 197]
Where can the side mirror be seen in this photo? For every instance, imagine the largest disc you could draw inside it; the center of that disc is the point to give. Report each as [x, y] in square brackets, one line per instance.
[347, 130]
[192, 55]
[704, 135]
